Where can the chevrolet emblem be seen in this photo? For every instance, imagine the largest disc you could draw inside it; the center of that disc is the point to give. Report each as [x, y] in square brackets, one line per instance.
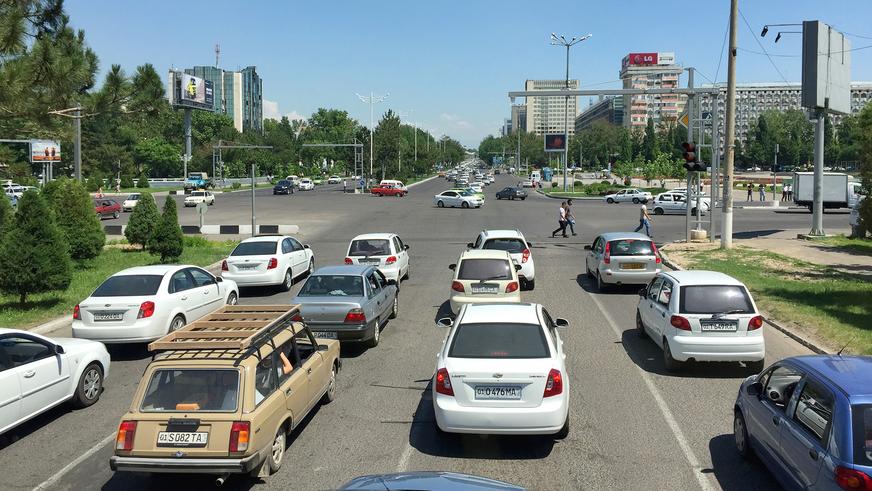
[498, 375]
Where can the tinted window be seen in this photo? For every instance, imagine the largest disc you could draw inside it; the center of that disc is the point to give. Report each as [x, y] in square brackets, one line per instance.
[129, 285]
[258, 248]
[201, 278]
[17, 351]
[499, 341]
[631, 247]
[328, 285]
[484, 269]
[710, 299]
[192, 390]
[370, 247]
[512, 246]
[814, 409]
[180, 282]
[862, 415]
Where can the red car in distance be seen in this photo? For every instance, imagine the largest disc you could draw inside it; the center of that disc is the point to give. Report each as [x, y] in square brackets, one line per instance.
[388, 191]
[107, 208]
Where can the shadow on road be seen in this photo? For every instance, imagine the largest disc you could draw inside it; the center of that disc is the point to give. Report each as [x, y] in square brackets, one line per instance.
[589, 285]
[755, 234]
[734, 473]
[128, 352]
[649, 357]
[444, 310]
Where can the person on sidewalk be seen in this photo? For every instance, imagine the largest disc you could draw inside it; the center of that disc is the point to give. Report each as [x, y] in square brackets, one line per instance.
[762, 189]
[644, 220]
[570, 218]
[750, 192]
[783, 193]
[790, 192]
[561, 220]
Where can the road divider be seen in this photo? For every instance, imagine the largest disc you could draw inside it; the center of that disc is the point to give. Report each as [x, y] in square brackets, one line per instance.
[118, 230]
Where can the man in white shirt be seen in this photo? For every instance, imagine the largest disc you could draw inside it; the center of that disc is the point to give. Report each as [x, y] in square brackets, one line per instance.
[561, 220]
[644, 220]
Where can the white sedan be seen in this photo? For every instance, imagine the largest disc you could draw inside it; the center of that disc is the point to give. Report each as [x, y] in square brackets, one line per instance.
[268, 260]
[306, 184]
[385, 251]
[130, 201]
[141, 304]
[676, 204]
[502, 370]
[334, 180]
[197, 197]
[453, 199]
[635, 195]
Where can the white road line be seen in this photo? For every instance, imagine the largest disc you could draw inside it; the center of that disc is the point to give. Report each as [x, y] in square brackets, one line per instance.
[703, 479]
[404, 459]
[81, 458]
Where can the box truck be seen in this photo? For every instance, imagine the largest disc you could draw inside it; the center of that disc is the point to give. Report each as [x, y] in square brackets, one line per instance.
[837, 189]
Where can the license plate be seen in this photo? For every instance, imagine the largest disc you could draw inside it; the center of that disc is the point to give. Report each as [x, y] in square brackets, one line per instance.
[482, 289]
[718, 326]
[324, 334]
[114, 316]
[369, 261]
[632, 266]
[182, 439]
[246, 266]
[502, 392]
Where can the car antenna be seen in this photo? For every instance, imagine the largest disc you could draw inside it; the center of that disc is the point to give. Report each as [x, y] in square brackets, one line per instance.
[846, 345]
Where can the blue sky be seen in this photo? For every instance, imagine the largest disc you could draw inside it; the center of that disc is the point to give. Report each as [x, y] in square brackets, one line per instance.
[447, 64]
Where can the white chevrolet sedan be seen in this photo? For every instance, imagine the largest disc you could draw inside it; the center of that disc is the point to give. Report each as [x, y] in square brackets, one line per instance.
[139, 305]
[268, 260]
[502, 370]
[197, 197]
[385, 251]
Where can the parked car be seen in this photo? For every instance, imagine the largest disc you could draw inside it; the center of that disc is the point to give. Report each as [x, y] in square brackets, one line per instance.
[197, 197]
[385, 251]
[501, 370]
[513, 242]
[622, 258]
[38, 373]
[348, 302]
[632, 194]
[388, 190]
[527, 183]
[512, 193]
[284, 186]
[484, 277]
[675, 203]
[809, 420]
[453, 199]
[701, 316]
[130, 201]
[268, 260]
[141, 304]
[306, 184]
[334, 180]
[107, 208]
[226, 403]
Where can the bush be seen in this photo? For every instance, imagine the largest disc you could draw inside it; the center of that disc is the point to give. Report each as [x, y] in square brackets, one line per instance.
[77, 221]
[142, 221]
[34, 256]
[7, 214]
[236, 185]
[127, 182]
[142, 182]
[167, 239]
[94, 183]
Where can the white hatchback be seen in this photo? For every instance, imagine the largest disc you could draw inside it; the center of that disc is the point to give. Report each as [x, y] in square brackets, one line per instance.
[306, 184]
[676, 204]
[701, 316]
[198, 197]
[130, 201]
[385, 251]
[501, 370]
[268, 260]
[484, 277]
[513, 242]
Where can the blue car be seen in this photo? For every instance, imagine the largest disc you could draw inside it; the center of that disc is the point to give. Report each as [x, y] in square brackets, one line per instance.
[809, 419]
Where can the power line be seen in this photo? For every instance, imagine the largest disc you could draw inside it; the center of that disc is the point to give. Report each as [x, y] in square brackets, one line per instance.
[798, 56]
[766, 54]
[723, 45]
[754, 35]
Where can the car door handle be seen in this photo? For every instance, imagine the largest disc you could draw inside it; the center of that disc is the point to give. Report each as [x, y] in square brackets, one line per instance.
[29, 374]
[184, 298]
[206, 292]
[288, 391]
[308, 371]
[775, 420]
[813, 454]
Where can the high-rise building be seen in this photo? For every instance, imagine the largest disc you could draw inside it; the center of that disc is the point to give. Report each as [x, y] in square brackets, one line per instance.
[607, 109]
[506, 128]
[519, 117]
[238, 94]
[651, 71]
[547, 114]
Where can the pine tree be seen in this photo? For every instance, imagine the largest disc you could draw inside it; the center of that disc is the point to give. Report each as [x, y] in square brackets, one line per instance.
[142, 183]
[143, 221]
[34, 256]
[167, 239]
[80, 226]
[7, 214]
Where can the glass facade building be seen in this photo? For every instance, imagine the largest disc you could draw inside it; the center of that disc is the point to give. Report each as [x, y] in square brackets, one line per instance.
[238, 94]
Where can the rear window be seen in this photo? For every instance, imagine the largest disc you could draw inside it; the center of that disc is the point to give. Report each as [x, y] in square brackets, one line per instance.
[631, 247]
[711, 299]
[283, 183]
[129, 286]
[862, 434]
[499, 340]
[512, 246]
[370, 247]
[484, 269]
[254, 249]
[192, 390]
[333, 286]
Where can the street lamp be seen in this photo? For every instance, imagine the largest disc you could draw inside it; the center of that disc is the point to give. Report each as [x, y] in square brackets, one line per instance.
[561, 41]
[371, 100]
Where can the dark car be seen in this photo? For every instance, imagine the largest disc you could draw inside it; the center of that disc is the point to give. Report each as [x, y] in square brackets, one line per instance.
[512, 193]
[809, 419]
[283, 187]
[429, 481]
[107, 208]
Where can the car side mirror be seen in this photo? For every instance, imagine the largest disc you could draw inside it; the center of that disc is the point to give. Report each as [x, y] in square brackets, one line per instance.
[59, 350]
[470, 245]
[405, 247]
[529, 245]
[305, 246]
[517, 267]
[452, 267]
[323, 347]
[218, 279]
[444, 322]
[587, 247]
[643, 292]
[754, 389]
[561, 323]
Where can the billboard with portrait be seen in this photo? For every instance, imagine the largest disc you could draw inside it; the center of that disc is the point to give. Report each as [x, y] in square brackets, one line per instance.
[194, 92]
[555, 143]
[45, 151]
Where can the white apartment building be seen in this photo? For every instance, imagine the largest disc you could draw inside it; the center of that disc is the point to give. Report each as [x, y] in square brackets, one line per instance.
[546, 115]
[651, 71]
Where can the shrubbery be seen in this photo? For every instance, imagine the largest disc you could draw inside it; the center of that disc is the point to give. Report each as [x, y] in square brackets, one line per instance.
[127, 182]
[167, 239]
[80, 226]
[142, 182]
[142, 221]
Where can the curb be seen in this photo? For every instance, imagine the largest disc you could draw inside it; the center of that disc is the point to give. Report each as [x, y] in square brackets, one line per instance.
[575, 198]
[422, 182]
[118, 230]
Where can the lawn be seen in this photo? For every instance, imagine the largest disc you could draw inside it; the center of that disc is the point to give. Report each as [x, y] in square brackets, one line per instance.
[88, 275]
[850, 246]
[831, 305]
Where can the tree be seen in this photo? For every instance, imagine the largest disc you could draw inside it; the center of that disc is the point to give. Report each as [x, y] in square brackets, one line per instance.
[142, 183]
[7, 214]
[864, 138]
[167, 239]
[143, 221]
[80, 226]
[650, 142]
[34, 257]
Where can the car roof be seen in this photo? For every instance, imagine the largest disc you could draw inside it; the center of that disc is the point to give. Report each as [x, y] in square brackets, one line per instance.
[610, 236]
[374, 235]
[264, 238]
[699, 277]
[485, 254]
[849, 373]
[343, 269]
[503, 234]
[156, 269]
[523, 313]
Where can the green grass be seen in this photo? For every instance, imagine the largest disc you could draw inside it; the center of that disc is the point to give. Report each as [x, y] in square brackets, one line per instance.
[87, 275]
[850, 246]
[832, 305]
[413, 180]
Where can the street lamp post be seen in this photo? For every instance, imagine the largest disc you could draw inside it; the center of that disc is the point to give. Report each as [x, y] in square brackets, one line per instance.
[371, 100]
[561, 41]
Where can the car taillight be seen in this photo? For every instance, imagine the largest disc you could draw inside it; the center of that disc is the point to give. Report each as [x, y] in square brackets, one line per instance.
[297, 317]
[355, 316]
[443, 382]
[457, 286]
[554, 385]
[513, 286]
[124, 439]
[525, 255]
[680, 322]
[77, 313]
[273, 263]
[853, 480]
[146, 309]
[348, 260]
[656, 254]
[224, 266]
[239, 435]
[756, 322]
[607, 258]
[391, 260]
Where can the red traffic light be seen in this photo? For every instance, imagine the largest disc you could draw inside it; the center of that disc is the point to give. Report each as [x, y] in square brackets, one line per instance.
[689, 152]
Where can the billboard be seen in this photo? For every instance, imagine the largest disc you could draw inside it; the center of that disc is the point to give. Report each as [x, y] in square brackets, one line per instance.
[45, 151]
[826, 68]
[639, 59]
[194, 91]
[555, 143]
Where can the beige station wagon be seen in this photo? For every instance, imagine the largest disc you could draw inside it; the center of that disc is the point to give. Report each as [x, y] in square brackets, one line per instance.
[222, 394]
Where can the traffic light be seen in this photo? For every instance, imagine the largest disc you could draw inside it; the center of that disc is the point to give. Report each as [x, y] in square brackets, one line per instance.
[691, 159]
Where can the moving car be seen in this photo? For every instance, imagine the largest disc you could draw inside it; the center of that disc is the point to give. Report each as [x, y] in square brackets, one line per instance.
[809, 420]
[388, 190]
[635, 195]
[675, 203]
[130, 202]
[484, 276]
[226, 401]
[284, 186]
[268, 260]
[349, 303]
[385, 251]
[107, 208]
[334, 180]
[38, 373]
[478, 194]
[453, 199]
[295, 180]
[394, 183]
[513, 242]
[141, 304]
[512, 193]
[701, 316]
[306, 184]
[527, 183]
[501, 370]
[431, 480]
[197, 180]
[197, 197]
[622, 258]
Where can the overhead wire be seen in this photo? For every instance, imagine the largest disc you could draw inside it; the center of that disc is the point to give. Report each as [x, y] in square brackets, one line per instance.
[754, 35]
[723, 46]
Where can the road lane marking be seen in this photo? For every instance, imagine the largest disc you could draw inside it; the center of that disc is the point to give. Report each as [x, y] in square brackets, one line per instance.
[404, 459]
[703, 479]
[81, 458]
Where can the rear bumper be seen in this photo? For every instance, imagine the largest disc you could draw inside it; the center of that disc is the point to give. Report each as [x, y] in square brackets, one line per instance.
[546, 419]
[140, 332]
[459, 301]
[347, 332]
[628, 277]
[264, 278]
[185, 466]
[718, 348]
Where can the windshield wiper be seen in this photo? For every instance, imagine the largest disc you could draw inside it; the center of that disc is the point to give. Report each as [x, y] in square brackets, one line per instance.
[728, 312]
[500, 277]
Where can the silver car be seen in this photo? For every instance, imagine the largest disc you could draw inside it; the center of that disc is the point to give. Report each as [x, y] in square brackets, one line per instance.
[622, 258]
[348, 303]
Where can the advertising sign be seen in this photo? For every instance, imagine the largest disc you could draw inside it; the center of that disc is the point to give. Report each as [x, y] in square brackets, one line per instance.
[826, 68]
[555, 143]
[45, 151]
[194, 91]
[640, 59]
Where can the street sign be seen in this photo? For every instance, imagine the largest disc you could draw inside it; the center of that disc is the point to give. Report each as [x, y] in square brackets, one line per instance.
[684, 119]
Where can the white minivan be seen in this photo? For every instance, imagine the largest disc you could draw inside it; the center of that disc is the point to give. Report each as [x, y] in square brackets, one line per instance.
[393, 183]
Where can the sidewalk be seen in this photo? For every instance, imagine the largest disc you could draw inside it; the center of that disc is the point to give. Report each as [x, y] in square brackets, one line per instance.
[786, 243]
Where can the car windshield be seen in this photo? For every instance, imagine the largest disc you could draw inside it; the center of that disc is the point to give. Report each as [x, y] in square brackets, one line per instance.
[370, 247]
[283, 183]
[191, 390]
[333, 286]
[631, 247]
[129, 286]
[465, 193]
[133, 197]
[862, 414]
[257, 248]
[512, 246]
[712, 299]
[484, 269]
[499, 340]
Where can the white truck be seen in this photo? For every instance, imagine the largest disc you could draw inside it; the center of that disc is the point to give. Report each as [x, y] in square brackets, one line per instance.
[838, 190]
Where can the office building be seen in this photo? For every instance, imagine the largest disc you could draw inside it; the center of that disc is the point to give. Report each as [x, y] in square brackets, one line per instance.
[607, 109]
[506, 128]
[519, 117]
[651, 71]
[546, 115]
[238, 94]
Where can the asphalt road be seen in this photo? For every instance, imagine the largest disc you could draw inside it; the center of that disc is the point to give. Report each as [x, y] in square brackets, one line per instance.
[633, 426]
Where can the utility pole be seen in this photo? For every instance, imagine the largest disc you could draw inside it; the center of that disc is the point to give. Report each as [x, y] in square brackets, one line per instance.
[817, 221]
[774, 175]
[187, 157]
[253, 219]
[691, 187]
[730, 132]
[561, 41]
[77, 150]
[371, 100]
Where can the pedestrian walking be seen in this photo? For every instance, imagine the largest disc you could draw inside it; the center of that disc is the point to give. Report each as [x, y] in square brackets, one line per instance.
[570, 218]
[561, 220]
[100, 192]
[762, 189]
[344, 186]
[784, 192]
[790, 192]
[644, 220]
[117, 186]
[750, 192]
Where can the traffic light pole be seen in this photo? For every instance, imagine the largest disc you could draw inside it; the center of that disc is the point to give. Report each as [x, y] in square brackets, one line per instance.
[690, 118]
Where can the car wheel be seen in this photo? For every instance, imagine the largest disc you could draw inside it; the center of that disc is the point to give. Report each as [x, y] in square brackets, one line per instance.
[177, 323]
[609, 200]
[395, 308]
[564, 432]
[671, 364]
[378, 195]
[601, 286]
[498, 197]
[115, 214]
[311, 267]
[755, 367]
[522, 199]
[635, 201]
[289, 281]
[90, 386]
[658, 211]
[464, 205]
[440, 204]
[640, 327]
[373, 342]
[277, 451]
[589, 274]
[740, 435]
[330, 394]
[232, 299]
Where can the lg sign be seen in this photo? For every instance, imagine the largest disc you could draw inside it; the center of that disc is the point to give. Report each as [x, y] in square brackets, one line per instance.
[642, 59]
